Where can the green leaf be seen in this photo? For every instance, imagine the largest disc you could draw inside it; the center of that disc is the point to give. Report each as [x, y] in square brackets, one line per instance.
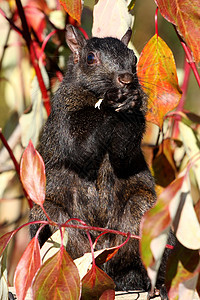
[131, 4]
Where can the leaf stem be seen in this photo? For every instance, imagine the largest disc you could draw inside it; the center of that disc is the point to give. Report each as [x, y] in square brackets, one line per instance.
[47, 216]
[17, 168]
[84, 32]
[126, 241]
[37, 233]
[61, 235]
[156, 21]
[47, 38]
[88, 234]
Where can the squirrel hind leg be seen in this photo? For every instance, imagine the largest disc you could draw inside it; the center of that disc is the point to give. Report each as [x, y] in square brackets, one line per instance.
[162, 292]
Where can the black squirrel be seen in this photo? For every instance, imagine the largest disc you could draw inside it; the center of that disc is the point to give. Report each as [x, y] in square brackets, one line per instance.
[94, 164]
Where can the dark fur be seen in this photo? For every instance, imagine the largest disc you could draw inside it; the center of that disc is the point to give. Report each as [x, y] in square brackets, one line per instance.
[95, 168]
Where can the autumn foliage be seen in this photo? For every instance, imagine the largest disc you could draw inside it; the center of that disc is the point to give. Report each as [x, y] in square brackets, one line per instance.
[174, 158]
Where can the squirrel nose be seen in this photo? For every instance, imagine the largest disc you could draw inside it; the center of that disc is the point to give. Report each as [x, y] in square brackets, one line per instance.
[125, 78]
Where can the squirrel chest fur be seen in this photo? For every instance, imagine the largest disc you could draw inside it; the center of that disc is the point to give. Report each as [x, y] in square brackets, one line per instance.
[95, 168]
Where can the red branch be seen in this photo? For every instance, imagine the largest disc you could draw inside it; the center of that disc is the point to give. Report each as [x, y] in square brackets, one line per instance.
[189, 57]
[27, 37]
[87, 228]
[89, 238]
[17, 167]
[43, 89]
[184, 87]
[11, 22]
[191, 61]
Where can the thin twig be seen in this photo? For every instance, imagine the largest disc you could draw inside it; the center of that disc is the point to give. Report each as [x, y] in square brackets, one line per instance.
[189, 57]
[16, 164]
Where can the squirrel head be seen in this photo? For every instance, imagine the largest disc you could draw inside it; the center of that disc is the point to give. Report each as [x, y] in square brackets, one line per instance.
[105, 67]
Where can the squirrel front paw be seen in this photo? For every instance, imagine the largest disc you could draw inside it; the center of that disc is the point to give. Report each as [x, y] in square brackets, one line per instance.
[122, 101]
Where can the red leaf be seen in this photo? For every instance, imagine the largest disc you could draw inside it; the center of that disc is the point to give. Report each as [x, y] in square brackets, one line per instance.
[35, 12]
[58, 278]
[157, 75]
[35, 16]
[26, 269]
[95, 283]
[4, 240]
[32, 173]
[73, 8]
[106, 255]
[186, 16]
[108, 295]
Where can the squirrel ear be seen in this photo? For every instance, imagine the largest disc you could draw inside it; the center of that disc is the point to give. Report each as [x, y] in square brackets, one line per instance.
[126, 38]
[75, 41]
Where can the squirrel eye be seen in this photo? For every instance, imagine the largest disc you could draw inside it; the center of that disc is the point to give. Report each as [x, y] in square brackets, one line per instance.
[91, 58]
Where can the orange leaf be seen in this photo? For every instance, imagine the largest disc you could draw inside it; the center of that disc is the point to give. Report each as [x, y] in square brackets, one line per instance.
[95, 283]
[26, 269]
[58, 278]
[185, 15]
[32, 173]
[73, 8]
[158, 77]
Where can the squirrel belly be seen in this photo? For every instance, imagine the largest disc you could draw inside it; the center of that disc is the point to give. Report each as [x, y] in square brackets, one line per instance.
[94, 164]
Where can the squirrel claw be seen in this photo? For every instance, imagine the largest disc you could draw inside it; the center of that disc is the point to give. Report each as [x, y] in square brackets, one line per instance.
[158, 292]
[125, 106]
